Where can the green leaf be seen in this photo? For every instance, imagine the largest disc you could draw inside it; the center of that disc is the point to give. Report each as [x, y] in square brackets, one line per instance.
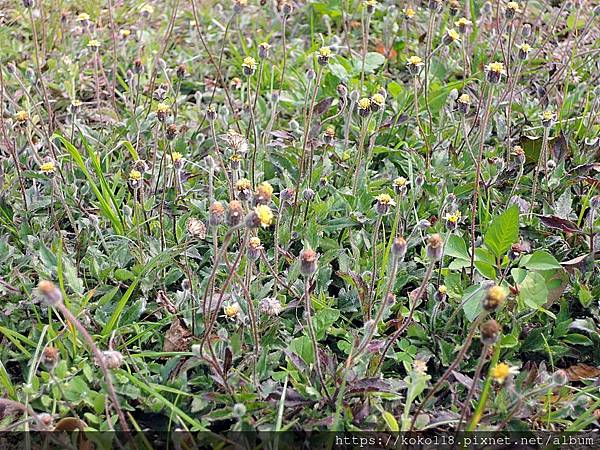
[456, 247]
[390, 421]
[302, 347]
[471, 300]
[372, 61]
[533, 291]
[503, 231]
[324, 319]
[577, 339]
[540, 260]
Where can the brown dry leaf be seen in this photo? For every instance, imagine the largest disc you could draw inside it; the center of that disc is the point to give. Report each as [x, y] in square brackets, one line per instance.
[579, 372]
[165, 302]
[178, 337]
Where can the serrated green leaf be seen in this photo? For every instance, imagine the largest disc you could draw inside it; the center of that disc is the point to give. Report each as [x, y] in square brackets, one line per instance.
[503, 231]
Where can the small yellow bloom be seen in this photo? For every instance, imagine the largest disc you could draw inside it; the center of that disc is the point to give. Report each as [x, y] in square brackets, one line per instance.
[83, 17]
[232, 310]
[513, 6]
[330, 130]
[378, 99]
[364, 103]
[94, 43]
[501, 371]
[254, 242]
[454, 217]
[249, 63]
[243, 184]
[265, 188]
[125, 33]
[264, 214]
[176, 156]
[21, 116]
[524, 47]
[465, 98]
[345, 156]
[135, 175]
[48, 168]
[548, 115]
[325, 52]
[148, 9]
[385, 199]
[496, 67]
[453, 34]
[409, 13]
[442, 289]
[463, 22]
[415, 61]
[372, 3]
[162, 108]
[400, 182]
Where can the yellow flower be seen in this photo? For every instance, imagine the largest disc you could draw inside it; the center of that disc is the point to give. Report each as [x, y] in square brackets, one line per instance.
[243, 184]
[465, 98]
[264, 214]
[442, 289]
[514, 6]
[409, 13]
[400, 182]
[345, 156]
[548, 115]
[496, 67]
[385, 199]
[125, 33]
[364, 103]
[162, 108]
[453, 34]
[249, 62]
[94, 43]
[232, 310]
[135, 175]
[463, 22]
[48, 168]
[148, 9]
[83, 17]
[415, 61]
[265, 189]
[378, 99]
[254, 242]
[371, 2]
[325, 52]
[525, 47]
[454, 217]
[501, 371]
[21, 116]
[176, 156]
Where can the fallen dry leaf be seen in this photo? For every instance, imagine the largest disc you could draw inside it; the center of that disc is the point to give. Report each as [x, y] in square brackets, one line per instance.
[178, 337]
[579, 372]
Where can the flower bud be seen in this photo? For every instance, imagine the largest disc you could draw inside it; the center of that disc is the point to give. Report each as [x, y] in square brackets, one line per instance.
[254, 248]
[435, 246]
[235, 213]
[399, 247]
[112, 359]
[196, 228]
[50, 357]
[216, 214]
[494, 297]
[308, 262]
[490, 332]
[50, 293]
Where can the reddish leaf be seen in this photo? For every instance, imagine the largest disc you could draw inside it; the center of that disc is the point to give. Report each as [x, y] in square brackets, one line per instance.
[557, 223]
[579, 372]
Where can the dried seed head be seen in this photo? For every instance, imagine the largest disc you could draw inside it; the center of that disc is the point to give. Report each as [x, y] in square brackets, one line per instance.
[270, 306]
[560, 378]
[235, 213]
[50, 358]
[526, 30]
[239, 5]
[49, 293]
[494, 297]
[454, 7]
[263, 50]
[171, 132]
[264, 193]
[308, 262]
[511, 10]
[435, 246]
[464, 102]
[112, 359]
[308, 194]
[519, 154]
[490, 332]
[216, 214]
[287, 196]
[196, 228]
[180, 71]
